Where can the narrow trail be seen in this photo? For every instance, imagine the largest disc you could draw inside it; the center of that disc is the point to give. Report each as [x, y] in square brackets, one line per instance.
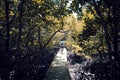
[58, 69]
[61, 69]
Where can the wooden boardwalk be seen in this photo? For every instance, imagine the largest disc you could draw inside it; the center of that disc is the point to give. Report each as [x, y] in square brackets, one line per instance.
[61, 69]
[58, 69]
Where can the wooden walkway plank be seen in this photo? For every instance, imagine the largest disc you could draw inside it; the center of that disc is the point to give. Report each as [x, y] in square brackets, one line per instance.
[58, 69]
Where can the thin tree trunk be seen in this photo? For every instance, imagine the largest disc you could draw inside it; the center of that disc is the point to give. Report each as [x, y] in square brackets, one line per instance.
[20, 26]
[7, 46]
[6, 60]
[39, 37]
[115, 29]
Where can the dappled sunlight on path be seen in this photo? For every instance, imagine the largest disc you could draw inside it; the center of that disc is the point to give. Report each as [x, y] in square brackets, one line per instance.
[58, 69]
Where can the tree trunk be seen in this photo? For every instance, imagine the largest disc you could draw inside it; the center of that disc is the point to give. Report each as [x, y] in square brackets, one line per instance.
[20, 26]
[6, 60]
[104, 25]
[115, 29]
[7, 46]
[39, 37]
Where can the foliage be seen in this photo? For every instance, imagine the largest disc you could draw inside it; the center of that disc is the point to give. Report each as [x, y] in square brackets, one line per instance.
[31, 25]
[100, 34]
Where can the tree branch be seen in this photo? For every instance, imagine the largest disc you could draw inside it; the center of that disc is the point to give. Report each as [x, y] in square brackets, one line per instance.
[15, 13]
[50, 38]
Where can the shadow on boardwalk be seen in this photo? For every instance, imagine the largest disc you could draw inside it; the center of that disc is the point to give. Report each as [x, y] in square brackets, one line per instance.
[58, 69]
